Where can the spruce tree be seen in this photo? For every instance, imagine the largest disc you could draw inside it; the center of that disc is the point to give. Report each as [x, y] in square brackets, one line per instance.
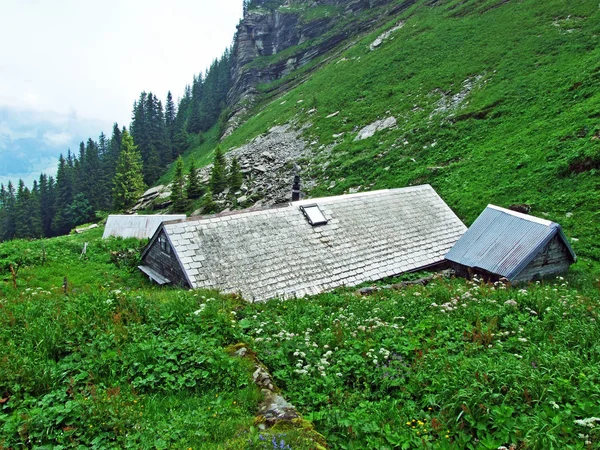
[218, 177]
[7, 224]
[46, 187]
[235, 178]
[193, 188]
[170, 115]
[62, 221]
[177, 188]
[128, 183]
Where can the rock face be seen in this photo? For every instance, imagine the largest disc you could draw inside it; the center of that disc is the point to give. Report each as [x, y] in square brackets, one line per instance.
[268, 164]
[374, 127]
[271, 27]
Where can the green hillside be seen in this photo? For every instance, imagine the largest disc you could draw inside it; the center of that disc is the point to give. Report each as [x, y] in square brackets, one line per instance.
[527, 130]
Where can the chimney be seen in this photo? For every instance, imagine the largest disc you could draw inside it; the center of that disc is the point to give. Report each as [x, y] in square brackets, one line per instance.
[296, 188]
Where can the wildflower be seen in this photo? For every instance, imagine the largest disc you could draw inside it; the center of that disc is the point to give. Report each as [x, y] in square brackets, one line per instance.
[589, 422]
[554, 405]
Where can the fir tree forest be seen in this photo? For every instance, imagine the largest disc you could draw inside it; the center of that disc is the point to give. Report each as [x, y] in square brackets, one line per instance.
[98, 177]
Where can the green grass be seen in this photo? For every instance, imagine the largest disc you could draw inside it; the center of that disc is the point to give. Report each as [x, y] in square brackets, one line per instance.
[118, 363]
[115, 362]
[450, 365]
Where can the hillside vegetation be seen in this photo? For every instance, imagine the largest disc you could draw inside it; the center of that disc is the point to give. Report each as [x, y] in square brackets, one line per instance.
[496, 102]
[114, 362]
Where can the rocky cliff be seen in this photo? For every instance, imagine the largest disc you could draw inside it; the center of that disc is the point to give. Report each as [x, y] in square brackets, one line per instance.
[275, 38]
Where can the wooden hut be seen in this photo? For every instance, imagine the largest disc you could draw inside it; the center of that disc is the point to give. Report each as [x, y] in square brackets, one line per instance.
[512, 245]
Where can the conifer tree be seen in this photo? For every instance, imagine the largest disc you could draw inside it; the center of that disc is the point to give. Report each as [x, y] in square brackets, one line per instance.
[62, 221]
[218, 176]
[128, 183]
[235, 178]
[7, 223]
[193, 188]
[170, 116]
[46, 187]
[177, 188]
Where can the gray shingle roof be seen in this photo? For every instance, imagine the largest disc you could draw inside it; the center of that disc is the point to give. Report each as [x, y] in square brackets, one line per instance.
[137, 226]
[277, 253]
[503, 242]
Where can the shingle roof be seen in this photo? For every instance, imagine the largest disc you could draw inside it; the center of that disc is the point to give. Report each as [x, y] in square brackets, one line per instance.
[277, 253]
[137, 226]
[503, 242]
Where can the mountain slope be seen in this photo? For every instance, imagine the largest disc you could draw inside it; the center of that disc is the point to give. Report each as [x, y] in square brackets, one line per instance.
[495, 102]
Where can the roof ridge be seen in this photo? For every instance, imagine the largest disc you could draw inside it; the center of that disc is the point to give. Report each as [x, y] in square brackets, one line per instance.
[528, 217]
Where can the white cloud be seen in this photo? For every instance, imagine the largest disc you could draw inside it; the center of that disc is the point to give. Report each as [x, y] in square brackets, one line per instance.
[54, 139]
[96, 57]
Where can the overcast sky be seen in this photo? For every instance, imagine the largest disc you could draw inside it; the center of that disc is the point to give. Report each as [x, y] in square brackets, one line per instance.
[90, 59]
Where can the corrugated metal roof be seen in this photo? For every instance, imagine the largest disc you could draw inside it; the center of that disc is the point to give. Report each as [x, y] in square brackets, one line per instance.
[136, 226]
[277, 253]
[503, 242]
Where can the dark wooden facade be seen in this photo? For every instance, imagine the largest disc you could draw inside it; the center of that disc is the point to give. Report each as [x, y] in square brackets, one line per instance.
[554, 259]
[161, 258]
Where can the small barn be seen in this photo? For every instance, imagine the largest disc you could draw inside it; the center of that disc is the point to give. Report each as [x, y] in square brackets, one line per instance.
[136, 225]
[307, 246]
[509, 244]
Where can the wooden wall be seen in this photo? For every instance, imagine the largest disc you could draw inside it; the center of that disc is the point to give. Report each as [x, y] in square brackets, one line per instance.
[165, 263]
[554, 259]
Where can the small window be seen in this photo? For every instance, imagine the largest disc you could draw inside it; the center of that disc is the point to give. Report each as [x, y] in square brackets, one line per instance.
[164, 244]
[313, 214]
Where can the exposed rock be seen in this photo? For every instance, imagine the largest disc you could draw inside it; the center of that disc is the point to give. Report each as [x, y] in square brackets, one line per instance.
[384, 36]
[260, 168]
[268, 29]
[448, 104]
[274, 408]
[83, 230]
[332, 115]
[157, 197]
[268, 164]
[376, 126]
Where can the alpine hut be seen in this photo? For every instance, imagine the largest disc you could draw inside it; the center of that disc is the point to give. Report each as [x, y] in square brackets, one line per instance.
[307, 246]
[140, 226]
[513, 245]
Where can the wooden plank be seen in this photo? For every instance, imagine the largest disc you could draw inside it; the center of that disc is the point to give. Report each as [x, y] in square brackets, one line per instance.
[155, 276]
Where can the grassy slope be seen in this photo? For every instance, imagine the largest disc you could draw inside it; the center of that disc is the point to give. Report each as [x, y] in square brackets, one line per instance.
[534, 111]
[120, 363]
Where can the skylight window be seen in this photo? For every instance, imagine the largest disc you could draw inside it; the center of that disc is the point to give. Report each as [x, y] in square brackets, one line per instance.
[313, 214]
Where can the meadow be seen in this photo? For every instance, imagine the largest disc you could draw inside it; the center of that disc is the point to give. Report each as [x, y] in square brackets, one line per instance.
[118, 363]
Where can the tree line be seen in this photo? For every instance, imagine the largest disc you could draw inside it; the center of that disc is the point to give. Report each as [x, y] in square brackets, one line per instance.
[109, 174]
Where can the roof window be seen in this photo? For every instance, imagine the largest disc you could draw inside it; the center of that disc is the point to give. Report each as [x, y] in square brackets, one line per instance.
[313, 214]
